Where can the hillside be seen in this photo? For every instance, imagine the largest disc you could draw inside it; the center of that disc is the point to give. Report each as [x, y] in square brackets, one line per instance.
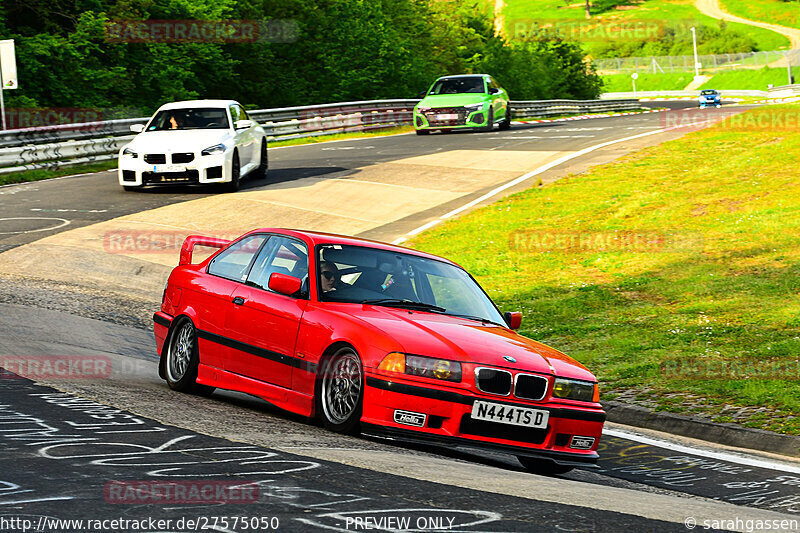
[655, 27]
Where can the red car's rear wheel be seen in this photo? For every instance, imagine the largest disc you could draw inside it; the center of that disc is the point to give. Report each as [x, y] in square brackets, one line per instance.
[182, 357]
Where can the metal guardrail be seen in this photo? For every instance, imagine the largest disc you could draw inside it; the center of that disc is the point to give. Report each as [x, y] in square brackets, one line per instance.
[70, 144]
[784, 91]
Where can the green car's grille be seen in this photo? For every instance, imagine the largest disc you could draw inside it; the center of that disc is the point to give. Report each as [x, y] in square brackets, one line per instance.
[434, 116]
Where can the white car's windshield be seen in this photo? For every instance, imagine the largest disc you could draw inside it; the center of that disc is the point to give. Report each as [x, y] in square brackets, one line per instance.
[205, 118]
[358, 274]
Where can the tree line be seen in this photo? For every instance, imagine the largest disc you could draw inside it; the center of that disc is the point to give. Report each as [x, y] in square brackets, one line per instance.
[333, 50]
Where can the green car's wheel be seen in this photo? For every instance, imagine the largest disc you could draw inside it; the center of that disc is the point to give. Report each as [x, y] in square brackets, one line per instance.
[490, 122]
[423, 132]
[506, 124]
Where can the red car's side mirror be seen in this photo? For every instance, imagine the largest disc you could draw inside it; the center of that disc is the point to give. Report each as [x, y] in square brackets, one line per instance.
[284, 284]
[514, 320]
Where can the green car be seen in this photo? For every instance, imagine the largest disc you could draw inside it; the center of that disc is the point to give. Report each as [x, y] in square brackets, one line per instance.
[468, 101]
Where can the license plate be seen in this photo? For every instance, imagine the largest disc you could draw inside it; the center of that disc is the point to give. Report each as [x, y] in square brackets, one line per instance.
[447, 116]
[509, 414]
[169, 168]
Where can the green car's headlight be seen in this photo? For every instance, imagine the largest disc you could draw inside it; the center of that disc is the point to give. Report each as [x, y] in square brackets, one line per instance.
[476, 107]
[423, 109]
[571, 389]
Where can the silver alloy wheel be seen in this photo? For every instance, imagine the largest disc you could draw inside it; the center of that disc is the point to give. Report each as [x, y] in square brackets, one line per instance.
[180, 352]
[341, 387]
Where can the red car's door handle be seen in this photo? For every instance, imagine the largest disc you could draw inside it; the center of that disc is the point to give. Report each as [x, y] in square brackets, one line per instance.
[238, 301]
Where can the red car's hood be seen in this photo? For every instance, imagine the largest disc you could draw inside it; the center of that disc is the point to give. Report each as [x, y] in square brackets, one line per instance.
[466, 340]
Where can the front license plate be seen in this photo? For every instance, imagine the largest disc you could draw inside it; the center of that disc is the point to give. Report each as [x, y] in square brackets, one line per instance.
[447, 116]
[509, 414]
[169, 168]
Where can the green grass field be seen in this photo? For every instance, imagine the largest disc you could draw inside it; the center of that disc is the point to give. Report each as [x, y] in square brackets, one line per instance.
[734, 80]
[751, 79]
[647, 82]
[773, 11]
[520, 14]
[658, 270]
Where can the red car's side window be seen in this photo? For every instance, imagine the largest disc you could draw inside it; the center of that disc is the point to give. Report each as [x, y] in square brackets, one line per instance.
[234, 262]
[282, 255]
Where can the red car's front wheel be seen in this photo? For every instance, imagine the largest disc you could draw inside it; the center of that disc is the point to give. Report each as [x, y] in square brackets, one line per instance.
[340, 391]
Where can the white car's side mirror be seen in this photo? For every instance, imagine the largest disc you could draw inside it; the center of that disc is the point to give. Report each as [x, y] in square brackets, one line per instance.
[137, 128]
[241, 124]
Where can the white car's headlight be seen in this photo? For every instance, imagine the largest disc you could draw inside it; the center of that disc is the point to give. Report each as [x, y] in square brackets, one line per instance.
[476, 107]
[127, 152]
[214, 150]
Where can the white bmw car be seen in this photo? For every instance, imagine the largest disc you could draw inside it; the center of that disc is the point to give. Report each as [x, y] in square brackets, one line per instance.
[194, 142]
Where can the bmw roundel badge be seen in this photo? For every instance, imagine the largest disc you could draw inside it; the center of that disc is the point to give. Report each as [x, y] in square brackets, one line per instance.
[509, 359]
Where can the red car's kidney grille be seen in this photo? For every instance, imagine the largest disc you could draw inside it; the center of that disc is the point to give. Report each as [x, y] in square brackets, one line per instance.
[493, 381]
[530, 387]
[482, 428]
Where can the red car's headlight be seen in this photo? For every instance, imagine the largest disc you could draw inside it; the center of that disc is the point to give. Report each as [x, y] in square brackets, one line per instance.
[427, 367]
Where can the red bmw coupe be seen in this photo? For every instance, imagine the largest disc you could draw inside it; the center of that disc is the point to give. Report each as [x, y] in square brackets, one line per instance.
[373, 337]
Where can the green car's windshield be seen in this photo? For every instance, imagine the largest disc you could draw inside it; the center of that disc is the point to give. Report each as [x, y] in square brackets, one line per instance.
[458, 86]
[359, 274]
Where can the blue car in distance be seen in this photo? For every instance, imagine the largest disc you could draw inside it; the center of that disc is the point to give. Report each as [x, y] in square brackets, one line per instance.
[710, 97]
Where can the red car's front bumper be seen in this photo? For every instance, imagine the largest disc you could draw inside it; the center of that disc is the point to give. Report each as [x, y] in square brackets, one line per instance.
[448, 422]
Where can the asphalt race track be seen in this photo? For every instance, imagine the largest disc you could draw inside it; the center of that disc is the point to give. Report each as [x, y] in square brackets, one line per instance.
[70, 447]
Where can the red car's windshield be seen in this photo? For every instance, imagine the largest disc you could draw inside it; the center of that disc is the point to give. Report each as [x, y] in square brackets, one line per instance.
[358, 274]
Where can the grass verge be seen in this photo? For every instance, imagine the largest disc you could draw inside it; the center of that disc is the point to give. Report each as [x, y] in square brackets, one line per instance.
[342, 136]
[47, 173]
[673, 273]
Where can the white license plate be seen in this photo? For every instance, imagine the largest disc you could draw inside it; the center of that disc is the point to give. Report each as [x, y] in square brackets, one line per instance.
[509, 414]
[447, 116]
[169, 168]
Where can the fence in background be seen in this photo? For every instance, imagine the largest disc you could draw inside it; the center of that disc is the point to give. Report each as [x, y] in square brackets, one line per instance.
[71, 144]
[709, 63]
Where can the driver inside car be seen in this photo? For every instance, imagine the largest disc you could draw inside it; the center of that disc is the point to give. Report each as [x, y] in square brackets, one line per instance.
[328, 276]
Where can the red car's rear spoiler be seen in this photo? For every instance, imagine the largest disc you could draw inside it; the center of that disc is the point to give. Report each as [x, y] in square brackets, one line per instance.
[199, 240]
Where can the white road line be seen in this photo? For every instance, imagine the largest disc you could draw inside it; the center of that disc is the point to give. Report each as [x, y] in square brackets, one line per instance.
[531, 174]
[720, 456]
